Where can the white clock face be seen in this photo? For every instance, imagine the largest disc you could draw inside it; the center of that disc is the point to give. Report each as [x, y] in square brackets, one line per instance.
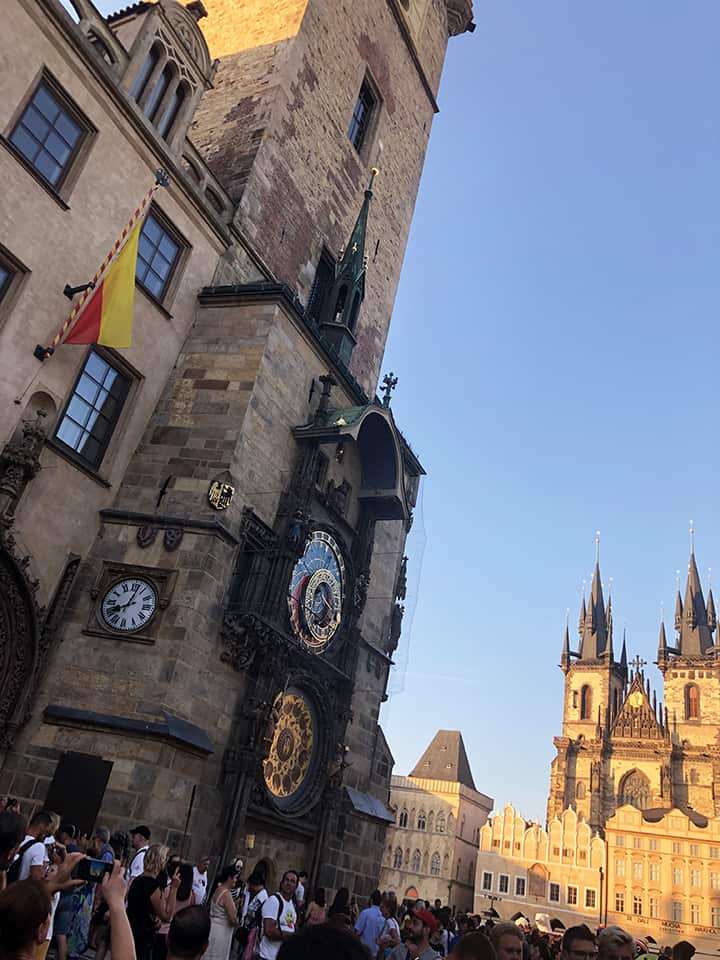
[129, 605]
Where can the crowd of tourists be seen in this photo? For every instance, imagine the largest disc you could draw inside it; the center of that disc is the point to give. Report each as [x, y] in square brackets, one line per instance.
[122, 893]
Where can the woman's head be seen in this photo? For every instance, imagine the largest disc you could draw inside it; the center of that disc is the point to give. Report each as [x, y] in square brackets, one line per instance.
[341, 903]
[186, 881]
[24, 917]
[319, 897]
[155, 859]
[227, 874]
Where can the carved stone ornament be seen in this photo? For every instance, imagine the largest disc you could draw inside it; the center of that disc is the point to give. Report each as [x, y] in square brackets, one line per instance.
[298, 530]
[401, 586]
[20, 462]
[360, 592]
[244, 636]
[337, 497]
[396, 619]
[146, 535]
[172, 538]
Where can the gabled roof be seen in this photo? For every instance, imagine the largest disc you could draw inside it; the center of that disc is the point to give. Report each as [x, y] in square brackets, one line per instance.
[445, 759]
[637, 718]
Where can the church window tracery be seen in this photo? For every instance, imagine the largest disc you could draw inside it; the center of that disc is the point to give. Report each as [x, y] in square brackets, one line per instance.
[421, 821]
[430, 822]
[586, 703]
[403, 821]
[398, 858]
[440, 823]
[580, 791]
[415, 865]
[635, 790]
[435, 865]
[692, 702]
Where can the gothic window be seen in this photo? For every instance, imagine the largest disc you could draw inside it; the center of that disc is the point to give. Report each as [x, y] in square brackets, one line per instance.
[49, 133]
[635, 789]
[421, 822]
[574, 699]
[692, 702]
[580, 791]
[430, 821]
[159, 89]
[586, 703]
[324, 277]
[440, 823]
[446, 864]
[165, 124]
[403, 821]
[451, 824]
[362, 115]
[93, 410]
[415, 865]
[435, 865]
[398, 858]
[147, 68]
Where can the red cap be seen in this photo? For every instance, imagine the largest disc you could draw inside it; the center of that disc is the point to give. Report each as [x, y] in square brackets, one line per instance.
[427, 918]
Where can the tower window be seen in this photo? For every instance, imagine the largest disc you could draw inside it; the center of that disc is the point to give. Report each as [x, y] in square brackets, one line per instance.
[324, 277]
[585, 703]
[692, 702]
[362, 115]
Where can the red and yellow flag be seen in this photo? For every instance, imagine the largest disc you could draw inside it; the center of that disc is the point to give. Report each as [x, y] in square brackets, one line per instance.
[107, 317]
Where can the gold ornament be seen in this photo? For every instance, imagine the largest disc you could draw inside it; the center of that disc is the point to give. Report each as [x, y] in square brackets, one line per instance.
[289, 758]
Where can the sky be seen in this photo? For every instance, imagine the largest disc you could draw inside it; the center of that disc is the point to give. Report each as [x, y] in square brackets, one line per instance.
[555, 339]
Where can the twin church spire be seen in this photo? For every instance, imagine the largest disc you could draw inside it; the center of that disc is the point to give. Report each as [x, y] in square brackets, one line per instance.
[695, 621]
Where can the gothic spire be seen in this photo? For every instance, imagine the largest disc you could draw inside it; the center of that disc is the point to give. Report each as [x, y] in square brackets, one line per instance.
[711, 615]
[565, 658]
[623, 654]
[695, 636]
[595, 627]
[678, 612]
[341, 304]
[662, 656]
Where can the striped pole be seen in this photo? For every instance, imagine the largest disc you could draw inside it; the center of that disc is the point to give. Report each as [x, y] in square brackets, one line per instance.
[161, 180]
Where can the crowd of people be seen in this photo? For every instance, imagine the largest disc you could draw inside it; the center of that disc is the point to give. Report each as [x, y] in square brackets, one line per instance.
[121, 893]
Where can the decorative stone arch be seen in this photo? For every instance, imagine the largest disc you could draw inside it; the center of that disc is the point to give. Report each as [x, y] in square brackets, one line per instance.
[692, 701]
[586, 702]
[538, 876]
[635, 789]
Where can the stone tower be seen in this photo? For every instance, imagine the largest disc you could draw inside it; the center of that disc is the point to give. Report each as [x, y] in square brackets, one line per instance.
[261, 517]
[618, 744]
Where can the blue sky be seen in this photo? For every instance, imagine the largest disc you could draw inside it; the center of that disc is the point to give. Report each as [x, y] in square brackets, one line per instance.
[555, 336]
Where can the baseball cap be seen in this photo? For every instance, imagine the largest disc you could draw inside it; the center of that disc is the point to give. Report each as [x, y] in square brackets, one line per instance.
[427, 918]
[142, 830]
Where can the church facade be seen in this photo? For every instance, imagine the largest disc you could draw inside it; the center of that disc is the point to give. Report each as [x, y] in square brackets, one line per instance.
[202, 538]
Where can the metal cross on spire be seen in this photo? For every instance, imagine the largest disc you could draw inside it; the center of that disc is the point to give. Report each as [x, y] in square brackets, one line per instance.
[638, 663]
[390, 381]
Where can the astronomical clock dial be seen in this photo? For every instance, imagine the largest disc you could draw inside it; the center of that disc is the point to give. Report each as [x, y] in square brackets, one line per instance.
[317, 592]
[129, 605]
[292, 749]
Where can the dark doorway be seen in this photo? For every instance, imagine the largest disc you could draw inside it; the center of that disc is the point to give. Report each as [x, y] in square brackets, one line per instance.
[77, 789]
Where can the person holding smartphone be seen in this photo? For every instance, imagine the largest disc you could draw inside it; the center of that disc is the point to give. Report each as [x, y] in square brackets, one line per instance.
[146, 903]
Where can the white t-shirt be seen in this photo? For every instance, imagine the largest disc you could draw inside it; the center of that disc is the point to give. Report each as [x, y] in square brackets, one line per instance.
[137, 863]
[34, 856]
[300, 893]
[269, 949]
[199, 885]
[252, 902]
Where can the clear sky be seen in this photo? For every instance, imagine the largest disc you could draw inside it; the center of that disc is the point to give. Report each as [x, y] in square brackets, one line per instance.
[555, 336]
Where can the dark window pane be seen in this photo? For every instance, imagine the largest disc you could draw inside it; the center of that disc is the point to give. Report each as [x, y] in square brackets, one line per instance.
[360, 120]
[5, 278]
[157, 255]
[46, 135]
[145, 71]
[92, 411]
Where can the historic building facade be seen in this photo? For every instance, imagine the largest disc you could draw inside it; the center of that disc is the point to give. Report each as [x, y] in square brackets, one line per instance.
[431, 849]
[202, 557]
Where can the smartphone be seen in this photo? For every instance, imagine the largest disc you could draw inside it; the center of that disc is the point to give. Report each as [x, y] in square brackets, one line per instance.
[93, 870]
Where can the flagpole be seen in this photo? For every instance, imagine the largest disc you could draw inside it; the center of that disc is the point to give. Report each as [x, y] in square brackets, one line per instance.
[42, 353]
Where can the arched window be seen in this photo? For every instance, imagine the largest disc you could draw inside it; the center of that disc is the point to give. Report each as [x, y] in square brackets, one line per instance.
[403, 821]
[580, 791]
[397, 859]
[435, 864]
[149, 64]
[421, 820]
[415, 865]
[440, 823]
[165, 123]
[425, 863]
[635, 789]
[162, 83]
[586, 703]
[692, 702]
[446, 864]
[451, 823]
[431, 822]
[340, 303]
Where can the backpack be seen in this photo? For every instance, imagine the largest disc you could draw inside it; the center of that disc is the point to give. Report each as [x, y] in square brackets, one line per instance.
[277, 919]
[14, 871]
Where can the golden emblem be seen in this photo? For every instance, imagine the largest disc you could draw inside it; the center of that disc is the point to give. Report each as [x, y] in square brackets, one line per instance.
[220, 495]
[636, 699]
[292, 746]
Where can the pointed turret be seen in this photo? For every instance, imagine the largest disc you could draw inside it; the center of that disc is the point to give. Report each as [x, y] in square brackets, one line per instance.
[341, 306]
[711, 615]
[678, 612]
[662, 656]
[609, 620]
[623, 655]
[565, 658]
[583, 614]
[595, 627]
[695, 636]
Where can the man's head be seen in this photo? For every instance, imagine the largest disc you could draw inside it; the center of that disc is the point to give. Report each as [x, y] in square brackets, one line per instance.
[189, 933]
[507, 941]
[302, 876]
[288, 884]
[472, 946]
[464, 924]
[422, 927]
[375, 898]
[321, 942]
[139, 837]
[614, 943]
[438, 903]
[102, 835]
[12, 831]
[40, 826]
[578, 943]
[202, 865]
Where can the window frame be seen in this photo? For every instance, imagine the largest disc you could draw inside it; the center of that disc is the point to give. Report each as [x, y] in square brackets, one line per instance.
[130, 376]
[619, 901]
[184, 248]
[485, 887]
[503, 887]
[9, 291]
[588, 891]
[554, 887]
[370, 127]
[569, 900]
[61, 190]
[520, 881]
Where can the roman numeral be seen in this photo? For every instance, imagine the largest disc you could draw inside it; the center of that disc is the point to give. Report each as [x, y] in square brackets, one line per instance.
[114, 620]
[126, 588]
